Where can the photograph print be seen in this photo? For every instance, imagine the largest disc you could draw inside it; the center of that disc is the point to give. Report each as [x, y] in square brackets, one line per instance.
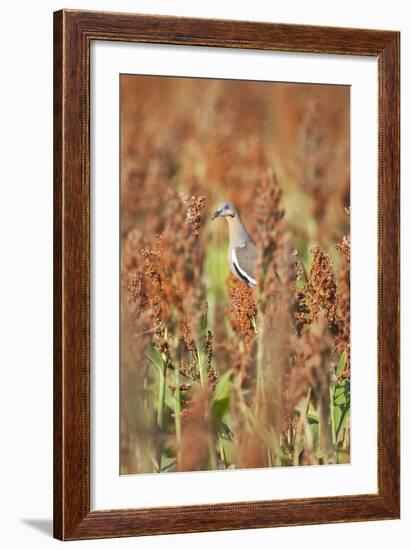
[234, 274]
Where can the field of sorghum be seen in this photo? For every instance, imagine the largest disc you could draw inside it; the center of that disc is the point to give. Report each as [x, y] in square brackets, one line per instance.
[215, 375]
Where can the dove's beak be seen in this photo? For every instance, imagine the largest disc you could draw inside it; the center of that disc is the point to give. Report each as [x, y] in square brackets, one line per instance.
[215, 215]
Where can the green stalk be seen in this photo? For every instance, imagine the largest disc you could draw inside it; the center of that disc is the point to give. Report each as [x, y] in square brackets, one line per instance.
[221, 450]
[161, 394]
[260, 383]
[346, 435]
[177, 413]
[332, 413]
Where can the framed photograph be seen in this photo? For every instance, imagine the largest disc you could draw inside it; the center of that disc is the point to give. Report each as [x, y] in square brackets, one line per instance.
[226, 275]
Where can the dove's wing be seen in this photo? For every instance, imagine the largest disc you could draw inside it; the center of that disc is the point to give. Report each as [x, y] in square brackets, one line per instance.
[244, 262]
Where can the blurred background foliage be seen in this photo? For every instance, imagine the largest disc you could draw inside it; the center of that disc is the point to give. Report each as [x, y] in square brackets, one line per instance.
[194, 394]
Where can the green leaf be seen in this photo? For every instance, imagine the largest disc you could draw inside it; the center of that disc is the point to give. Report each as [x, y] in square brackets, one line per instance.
[314, 429]
[226, 450]
[155, 357]
[225, 431]
[220, 408]
[341, 404]
[221, 397]
[342, 363]
[167, 464]
[223, 388]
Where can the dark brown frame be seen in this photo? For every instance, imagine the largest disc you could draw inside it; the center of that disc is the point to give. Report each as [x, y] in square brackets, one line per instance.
[73, 33]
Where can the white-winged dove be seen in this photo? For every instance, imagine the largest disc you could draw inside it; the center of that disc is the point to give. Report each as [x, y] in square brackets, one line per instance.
[242, 251]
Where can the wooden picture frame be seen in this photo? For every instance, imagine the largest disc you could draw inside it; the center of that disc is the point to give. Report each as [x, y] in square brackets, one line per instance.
[73, 33]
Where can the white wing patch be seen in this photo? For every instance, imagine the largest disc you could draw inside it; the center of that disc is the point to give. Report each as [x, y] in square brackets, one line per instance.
[240, 271]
